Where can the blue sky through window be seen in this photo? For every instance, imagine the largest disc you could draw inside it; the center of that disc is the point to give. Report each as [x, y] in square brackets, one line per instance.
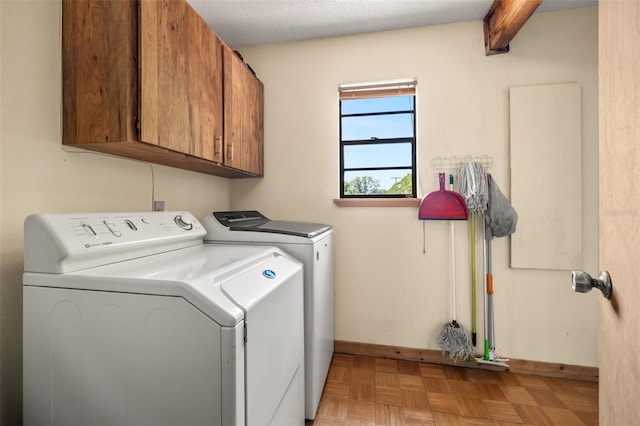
[379, 155]
[377, 126]
[393, 103]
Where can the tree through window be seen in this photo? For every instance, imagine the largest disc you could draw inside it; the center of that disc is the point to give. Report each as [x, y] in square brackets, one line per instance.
[378, 140]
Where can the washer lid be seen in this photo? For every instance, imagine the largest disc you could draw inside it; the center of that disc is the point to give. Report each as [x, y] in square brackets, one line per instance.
[251, 220]
[301, 229]
[195, 274]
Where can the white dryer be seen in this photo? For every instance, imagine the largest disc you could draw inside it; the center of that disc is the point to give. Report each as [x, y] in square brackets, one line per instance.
[130, 319]
[312, 244]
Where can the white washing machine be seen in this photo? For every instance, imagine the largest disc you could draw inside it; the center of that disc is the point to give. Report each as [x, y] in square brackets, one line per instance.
[312, 244]
[130, 318]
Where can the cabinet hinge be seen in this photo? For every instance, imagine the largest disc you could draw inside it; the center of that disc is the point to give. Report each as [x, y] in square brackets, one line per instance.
[245, 332]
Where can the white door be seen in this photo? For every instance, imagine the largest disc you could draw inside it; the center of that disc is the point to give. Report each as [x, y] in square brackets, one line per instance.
[619, 59]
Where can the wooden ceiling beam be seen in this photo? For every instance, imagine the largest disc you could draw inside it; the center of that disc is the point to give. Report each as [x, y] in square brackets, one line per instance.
[503, 21]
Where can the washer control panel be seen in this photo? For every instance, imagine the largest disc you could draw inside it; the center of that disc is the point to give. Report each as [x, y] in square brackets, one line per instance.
[55, 241]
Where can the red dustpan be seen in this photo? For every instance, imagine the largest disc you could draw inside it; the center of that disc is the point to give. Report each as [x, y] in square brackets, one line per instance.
[443, 205]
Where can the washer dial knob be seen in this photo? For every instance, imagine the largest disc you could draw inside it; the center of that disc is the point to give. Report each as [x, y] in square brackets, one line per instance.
[182, 223]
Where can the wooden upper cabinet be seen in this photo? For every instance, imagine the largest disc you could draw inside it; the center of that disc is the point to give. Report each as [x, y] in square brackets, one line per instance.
[144, 79]
[243, 115]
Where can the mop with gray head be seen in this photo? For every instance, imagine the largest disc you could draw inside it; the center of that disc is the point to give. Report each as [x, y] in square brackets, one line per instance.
[472, 184]
[455, 340]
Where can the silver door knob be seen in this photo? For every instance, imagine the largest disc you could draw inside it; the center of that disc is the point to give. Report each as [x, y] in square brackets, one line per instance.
[581, 282]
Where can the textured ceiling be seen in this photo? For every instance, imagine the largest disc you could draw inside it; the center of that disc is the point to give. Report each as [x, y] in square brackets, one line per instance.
[249, 22]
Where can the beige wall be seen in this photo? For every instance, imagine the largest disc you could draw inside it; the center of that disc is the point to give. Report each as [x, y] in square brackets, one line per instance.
[37, 175]
[387, 291]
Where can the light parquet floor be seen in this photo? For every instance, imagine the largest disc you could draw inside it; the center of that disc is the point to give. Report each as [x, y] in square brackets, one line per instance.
[364, 390]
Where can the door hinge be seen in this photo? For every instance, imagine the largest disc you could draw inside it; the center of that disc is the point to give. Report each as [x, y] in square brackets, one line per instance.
[245, 332]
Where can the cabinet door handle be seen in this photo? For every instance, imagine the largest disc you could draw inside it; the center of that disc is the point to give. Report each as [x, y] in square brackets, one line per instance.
[230, 152]
[217, 150]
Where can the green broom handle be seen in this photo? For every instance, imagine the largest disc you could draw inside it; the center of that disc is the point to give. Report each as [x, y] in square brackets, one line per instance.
[473, 278]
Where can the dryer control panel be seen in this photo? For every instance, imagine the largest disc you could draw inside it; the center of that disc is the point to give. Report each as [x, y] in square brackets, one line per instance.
[56, 243]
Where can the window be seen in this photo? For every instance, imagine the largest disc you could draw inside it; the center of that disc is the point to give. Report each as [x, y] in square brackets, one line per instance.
[378, 140]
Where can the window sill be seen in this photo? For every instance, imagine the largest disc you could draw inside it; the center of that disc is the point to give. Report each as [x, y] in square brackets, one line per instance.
[377, 202]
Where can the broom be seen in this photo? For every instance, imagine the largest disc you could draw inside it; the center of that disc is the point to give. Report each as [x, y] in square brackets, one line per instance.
[453, 338]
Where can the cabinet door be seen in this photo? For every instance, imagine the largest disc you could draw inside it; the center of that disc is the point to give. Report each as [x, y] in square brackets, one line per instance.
[99, 72]
[181, 79]
[243, 115]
